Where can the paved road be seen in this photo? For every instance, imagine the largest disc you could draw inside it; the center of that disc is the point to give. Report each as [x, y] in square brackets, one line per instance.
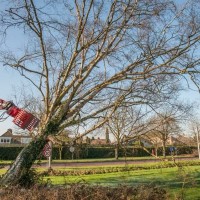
[107, 163]
[103, 163]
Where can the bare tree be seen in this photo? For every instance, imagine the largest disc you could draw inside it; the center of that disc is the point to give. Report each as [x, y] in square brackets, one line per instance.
[124, 124]
[165, 127]
[167, 122]
[152, 137]
[86, 58]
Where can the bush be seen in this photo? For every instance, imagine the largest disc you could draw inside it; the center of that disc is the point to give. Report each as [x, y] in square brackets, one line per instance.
[80, 192]
[90, 152]
[185, 150]
[104, 170]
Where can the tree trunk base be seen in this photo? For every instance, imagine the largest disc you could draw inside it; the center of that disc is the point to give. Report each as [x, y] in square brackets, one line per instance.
[23, 162]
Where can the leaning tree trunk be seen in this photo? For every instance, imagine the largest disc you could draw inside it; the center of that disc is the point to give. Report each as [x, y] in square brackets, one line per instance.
[28, 155]
[23, 162]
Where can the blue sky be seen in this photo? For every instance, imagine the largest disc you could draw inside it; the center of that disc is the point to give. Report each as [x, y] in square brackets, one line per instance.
[10, 80]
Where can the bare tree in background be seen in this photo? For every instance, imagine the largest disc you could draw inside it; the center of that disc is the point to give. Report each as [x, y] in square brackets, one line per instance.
[152, 137]
[166, 126]
[167, 123]
[126, 124]
[86, 58]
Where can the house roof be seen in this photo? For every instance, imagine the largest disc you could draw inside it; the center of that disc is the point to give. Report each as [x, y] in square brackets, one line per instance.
[21, 136]
[185, 140]
[8, 133]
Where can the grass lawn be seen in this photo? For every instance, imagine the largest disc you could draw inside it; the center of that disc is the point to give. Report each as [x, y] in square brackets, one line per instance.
[172, 179]
[175, 180]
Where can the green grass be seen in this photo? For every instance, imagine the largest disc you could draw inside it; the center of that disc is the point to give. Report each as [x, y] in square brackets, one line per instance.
[5, 162]
[171, 179]
[166, 176]
[2, 171]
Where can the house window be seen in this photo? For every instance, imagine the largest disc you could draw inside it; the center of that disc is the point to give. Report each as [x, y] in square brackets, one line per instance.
[4, 140]
[8, 141]
[1, 140]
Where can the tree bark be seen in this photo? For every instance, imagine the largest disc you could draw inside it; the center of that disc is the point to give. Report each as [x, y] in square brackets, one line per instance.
[23, 162]
[164, 149]
[117, 152]
[60, 152]
[156, 151]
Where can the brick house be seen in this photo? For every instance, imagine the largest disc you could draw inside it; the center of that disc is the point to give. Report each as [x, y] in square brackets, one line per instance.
[99, 141]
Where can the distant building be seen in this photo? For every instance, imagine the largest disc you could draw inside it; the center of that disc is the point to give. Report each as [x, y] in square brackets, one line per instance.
[6, 137]
[9, 138]
[182, 140]
[98, 141]
[173, 140]
[146, 142]
[140, 141]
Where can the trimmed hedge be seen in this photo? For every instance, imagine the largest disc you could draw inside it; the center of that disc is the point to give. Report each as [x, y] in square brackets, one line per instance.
[81, 152]
[109, 152]
[97, 152]
[9, 153]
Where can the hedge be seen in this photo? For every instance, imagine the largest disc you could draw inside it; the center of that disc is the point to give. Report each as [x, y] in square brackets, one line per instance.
[9, 153]
[81, 152]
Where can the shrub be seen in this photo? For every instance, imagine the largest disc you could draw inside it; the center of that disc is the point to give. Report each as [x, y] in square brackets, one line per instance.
[118, 169]
[80, 192]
